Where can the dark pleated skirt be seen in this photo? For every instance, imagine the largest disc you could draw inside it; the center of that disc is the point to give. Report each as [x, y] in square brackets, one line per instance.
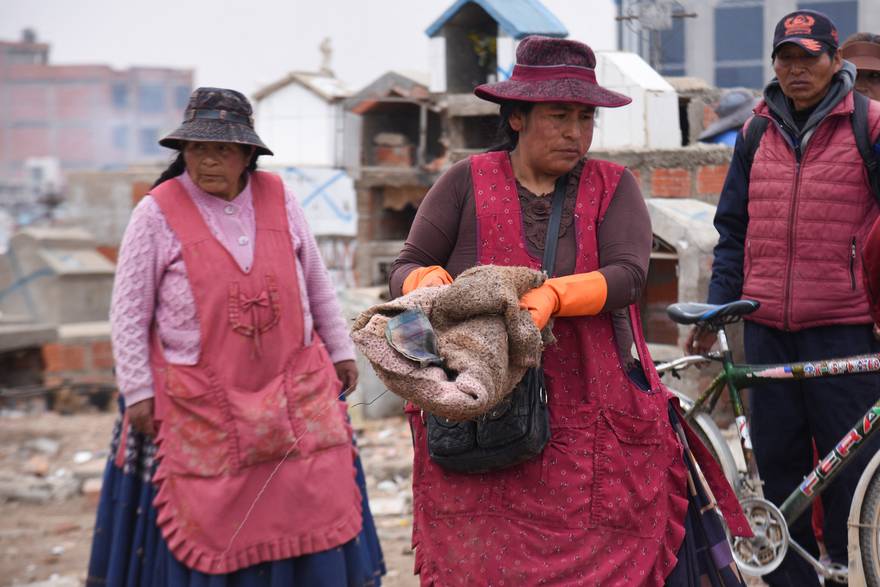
[128, 549]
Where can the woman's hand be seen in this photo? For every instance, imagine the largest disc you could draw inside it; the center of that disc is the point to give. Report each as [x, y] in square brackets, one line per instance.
[347, 372]
[541, 303]
[140, 415]
[699, 341]
[431, 276]
[581, 294]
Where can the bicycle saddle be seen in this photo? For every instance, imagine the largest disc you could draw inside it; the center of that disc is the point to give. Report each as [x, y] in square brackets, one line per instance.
[710, 315]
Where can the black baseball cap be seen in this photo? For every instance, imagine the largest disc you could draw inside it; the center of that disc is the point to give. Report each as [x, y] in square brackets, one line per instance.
[810, 29]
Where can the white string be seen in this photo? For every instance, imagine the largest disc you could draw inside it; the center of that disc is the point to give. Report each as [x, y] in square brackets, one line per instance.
[281, 462]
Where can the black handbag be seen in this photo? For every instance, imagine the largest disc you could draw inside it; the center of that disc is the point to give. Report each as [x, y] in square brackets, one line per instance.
[518, 428]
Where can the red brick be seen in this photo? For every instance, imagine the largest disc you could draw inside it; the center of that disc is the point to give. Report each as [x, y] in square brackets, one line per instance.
[387, 156]
[110, 253]
[710, 179]
[672, 182]
[62, 357]
[102, 355]
[709, 115]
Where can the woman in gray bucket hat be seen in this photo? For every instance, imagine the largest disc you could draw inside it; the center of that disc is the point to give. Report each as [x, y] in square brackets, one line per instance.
[232, 360]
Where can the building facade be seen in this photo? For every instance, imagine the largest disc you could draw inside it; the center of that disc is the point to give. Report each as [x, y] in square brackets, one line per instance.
[726, 42]
[84, 116]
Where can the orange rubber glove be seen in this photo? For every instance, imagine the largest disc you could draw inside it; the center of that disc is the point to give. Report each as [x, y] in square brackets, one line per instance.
[582, 294]
[426, 277]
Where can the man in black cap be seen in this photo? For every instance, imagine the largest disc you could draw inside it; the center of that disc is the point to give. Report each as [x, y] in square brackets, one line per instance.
[792, 217]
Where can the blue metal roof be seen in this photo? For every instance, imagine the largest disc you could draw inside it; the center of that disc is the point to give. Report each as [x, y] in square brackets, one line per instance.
[517, 18]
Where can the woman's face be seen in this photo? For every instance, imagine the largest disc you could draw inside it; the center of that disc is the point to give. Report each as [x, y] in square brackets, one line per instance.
[217, 168]
[554, 136]
[868, 83]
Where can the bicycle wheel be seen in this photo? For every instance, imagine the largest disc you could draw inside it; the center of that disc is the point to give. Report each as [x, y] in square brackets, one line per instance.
[869, 532]
[712, 438]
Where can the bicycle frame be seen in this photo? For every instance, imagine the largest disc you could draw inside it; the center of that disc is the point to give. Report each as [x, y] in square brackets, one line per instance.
[734, 376]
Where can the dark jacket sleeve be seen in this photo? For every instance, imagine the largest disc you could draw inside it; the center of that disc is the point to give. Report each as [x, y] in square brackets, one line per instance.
[731, 222]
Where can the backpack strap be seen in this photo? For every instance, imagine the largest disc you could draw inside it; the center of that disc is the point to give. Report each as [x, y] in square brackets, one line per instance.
[861, 129]
[753, 130]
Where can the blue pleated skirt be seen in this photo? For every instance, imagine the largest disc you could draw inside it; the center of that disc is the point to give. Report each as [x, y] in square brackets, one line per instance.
[128, 549]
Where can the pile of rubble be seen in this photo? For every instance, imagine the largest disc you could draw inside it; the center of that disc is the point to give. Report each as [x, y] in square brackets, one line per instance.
[51, 466]
[43, 477]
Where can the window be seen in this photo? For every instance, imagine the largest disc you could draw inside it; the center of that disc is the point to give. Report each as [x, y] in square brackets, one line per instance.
[668, 48]
[181, 96]
[739, 44]
[844, 13]
[737, 76]
[120, 138]
[120, 95]
[152, 99]
[149, 141]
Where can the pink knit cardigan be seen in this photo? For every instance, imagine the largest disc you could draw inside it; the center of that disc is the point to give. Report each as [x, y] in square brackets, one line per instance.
[151, 284]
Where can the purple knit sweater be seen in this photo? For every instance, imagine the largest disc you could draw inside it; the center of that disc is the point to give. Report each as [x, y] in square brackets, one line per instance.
[151, 285]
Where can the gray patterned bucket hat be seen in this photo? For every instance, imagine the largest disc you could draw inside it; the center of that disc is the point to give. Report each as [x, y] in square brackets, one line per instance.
[220, 115]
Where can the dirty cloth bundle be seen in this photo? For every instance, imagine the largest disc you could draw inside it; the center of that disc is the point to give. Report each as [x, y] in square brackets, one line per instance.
[486, 341]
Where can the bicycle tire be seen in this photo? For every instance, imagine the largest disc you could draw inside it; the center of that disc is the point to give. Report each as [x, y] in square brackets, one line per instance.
[714, 440]
[710, 435]
[869, 532]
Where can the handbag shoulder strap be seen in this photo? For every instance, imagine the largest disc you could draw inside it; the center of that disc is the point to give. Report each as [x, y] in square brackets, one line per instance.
[549, 262]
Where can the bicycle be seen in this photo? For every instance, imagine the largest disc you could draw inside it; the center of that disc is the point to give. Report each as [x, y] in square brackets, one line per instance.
[765, 551]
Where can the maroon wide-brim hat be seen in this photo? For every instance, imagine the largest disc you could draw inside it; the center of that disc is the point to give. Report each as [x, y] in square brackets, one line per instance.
[862, 54]
[553, 70]
[216, 115]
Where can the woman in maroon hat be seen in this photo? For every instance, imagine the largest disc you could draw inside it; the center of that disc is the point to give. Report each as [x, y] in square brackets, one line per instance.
[863, 51]
[608, 500]
[232, 359]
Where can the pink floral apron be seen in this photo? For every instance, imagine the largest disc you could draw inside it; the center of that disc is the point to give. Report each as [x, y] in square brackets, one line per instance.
[257, 392]
[605, 502]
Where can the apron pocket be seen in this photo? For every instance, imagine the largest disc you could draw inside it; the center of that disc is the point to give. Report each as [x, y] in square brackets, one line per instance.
[262, 422]
[628, 474]
[319, 417]
[193, 429]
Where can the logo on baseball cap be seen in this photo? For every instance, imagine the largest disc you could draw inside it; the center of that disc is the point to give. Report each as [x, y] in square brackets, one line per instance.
[811, 30]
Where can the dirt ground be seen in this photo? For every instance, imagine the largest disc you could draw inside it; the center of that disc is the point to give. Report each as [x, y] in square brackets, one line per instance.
[50, 467]
[46, 529]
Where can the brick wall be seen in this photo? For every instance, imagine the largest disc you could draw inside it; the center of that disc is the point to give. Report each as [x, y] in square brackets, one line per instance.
[671, 182]
[691, 172]
[79, 360]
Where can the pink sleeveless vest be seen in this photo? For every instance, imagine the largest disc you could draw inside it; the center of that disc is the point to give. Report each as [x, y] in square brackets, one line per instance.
[605, 502]
[226, 423]
[808, 224]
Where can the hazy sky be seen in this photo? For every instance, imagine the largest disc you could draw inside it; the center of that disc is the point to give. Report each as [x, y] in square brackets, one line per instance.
[244, 45]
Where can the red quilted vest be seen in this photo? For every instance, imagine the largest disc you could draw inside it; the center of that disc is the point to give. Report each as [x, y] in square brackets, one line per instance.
[808, 223]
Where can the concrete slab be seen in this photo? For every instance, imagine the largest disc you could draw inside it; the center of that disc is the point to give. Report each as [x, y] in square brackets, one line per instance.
[84, 330]
[25, 335]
